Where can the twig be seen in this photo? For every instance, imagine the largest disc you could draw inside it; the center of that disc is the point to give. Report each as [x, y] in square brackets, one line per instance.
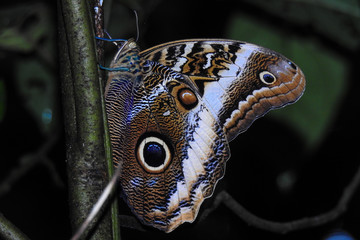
[285, 227]
[9, 232]
[98, 205]
[28, 161]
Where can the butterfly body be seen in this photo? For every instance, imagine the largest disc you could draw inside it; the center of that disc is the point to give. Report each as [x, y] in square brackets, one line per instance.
[172, 114]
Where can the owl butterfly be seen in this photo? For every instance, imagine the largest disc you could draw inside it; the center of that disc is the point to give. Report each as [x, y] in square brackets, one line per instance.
[172, 110]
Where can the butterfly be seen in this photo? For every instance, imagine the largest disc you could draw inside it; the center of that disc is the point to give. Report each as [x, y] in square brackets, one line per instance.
[172, 111]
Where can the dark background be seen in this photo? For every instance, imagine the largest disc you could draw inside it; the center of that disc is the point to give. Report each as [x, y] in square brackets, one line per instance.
[292, 163]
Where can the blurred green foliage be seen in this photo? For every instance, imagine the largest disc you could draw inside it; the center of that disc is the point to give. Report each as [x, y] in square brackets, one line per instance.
[338, 20]
[29, 29]
[325, 74]
[24, 26]
[36, 85]
[325, 71]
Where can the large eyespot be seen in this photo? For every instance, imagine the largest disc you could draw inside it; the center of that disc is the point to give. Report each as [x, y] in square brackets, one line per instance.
[153, 154]
[267, 77]
[187, 98]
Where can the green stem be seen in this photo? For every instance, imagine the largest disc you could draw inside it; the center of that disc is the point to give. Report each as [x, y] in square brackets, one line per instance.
[9, 232]
[84, 111]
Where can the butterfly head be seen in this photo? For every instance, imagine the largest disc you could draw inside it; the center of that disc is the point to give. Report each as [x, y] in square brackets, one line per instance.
[125, 65]
[127, 57]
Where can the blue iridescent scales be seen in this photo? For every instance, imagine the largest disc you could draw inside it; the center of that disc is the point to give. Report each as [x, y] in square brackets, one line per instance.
[173, 111]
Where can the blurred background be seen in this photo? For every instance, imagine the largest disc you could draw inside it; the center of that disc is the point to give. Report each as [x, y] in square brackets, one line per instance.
[293, 163]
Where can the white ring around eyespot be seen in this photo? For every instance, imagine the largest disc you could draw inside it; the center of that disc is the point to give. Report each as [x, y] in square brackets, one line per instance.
[141, 157]
[261, 75]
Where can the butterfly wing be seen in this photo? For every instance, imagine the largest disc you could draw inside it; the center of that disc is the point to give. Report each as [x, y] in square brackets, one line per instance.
[240, 81]
[170, 123]
[170, 148]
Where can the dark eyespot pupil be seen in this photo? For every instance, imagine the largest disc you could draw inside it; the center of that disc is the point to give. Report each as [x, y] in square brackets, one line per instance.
[292, 65]
[154, 154]
[268, 78]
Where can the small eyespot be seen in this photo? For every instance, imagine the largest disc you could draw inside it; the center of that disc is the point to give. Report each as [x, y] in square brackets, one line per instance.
[187, 98]
[267, 77]
[292, 65]
[153, 154]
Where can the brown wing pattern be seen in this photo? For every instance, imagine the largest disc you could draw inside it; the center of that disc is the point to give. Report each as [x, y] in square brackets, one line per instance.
[172, 113]
[230, 77]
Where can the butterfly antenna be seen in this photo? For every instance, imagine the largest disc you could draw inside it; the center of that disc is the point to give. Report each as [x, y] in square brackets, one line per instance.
[108, 35]
[137, 26]
[106, 32]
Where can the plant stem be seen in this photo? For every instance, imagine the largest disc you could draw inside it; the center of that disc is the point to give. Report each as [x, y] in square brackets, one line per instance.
[9, 232]
[84, 125]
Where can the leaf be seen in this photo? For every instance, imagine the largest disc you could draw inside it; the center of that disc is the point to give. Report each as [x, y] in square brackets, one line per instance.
[36, 85]
[325, 77]
[338, 20]
[23, 27]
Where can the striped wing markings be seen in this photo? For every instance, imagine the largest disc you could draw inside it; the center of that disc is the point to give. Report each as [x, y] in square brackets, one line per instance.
[212, 85]
[199, 149]
[195, 187]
